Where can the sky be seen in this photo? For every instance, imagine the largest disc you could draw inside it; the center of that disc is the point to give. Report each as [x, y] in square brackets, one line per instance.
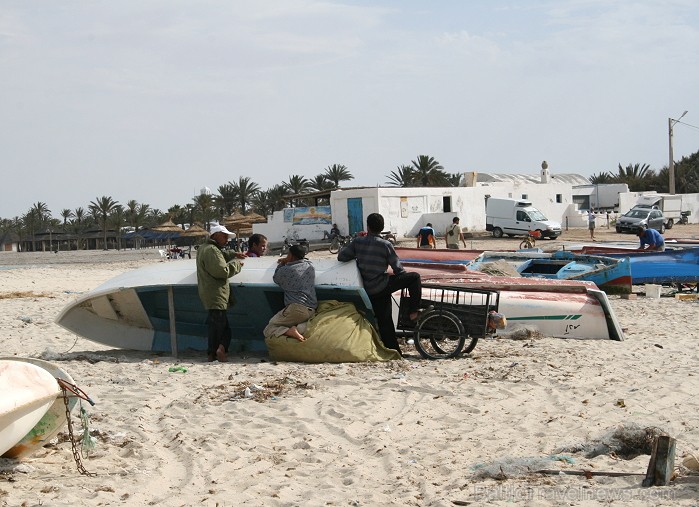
[153, 100]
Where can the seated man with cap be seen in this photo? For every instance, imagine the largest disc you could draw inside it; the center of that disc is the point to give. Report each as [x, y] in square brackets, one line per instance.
[214, 268]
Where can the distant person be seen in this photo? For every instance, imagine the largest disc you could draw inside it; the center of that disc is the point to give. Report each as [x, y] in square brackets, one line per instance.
[425, 237]
[453, 234]
[296, 276]
[334, 232]
[374, 255]
[214, 268]
[591, 223]
[257, 245]
[650, 238]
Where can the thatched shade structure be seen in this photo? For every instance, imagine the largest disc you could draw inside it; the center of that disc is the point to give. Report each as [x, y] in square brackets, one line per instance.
[194, 231]
[167, 226]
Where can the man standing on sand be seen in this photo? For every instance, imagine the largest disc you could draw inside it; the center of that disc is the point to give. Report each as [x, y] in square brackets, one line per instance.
[591, 223]
[214, 268]
[454, 234]
[297, 277]
[374, 254]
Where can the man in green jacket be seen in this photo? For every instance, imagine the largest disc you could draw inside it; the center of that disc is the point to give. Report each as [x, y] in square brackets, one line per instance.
[214, 268]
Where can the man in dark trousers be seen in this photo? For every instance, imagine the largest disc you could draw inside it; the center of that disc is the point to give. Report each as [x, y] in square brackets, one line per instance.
[214, 268]
[374, 255]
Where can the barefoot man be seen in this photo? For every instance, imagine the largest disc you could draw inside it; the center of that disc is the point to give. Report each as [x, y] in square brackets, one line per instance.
[296, 276]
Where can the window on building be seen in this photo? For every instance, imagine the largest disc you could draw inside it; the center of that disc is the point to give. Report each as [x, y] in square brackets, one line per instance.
[559, 198]
[446, 203]
[525, 196]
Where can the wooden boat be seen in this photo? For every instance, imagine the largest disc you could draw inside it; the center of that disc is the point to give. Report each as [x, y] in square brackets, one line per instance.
[613, 275]
[157, 308]
[52, 421]
[558, 308]
[668, 267]
[27, 393]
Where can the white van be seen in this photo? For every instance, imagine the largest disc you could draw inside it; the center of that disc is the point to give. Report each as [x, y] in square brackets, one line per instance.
[516, 218]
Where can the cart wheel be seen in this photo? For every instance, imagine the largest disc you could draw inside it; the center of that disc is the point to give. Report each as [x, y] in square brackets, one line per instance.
[439, 335]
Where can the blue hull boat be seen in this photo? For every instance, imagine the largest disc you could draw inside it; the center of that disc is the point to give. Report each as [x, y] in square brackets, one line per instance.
[613, 275]
[668, 267]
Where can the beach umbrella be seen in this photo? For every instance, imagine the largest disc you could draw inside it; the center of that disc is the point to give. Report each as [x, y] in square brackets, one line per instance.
[254, 218]
[167, 226]
[169, 230]
[194, 231]
[233, 219]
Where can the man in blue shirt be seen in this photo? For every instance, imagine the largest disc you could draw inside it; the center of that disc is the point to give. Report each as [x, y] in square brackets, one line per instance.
[652, 238]
[374, 255]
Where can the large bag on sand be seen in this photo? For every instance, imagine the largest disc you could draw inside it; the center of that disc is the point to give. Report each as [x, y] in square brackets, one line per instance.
[337, 333]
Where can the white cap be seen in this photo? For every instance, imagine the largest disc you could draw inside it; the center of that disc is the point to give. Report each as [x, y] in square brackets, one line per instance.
[221, 228]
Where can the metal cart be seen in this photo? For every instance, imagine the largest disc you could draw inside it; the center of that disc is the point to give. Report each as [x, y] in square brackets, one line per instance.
[450, 316]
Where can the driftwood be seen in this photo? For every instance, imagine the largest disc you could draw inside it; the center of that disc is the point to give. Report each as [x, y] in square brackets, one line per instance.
[586, 473]
[662, 462]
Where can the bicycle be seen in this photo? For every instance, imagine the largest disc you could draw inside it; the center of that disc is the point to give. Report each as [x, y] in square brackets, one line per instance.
[337, 242]
[530, 240]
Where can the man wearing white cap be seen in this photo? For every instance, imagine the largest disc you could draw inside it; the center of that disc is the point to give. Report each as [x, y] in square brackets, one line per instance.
[214, 268]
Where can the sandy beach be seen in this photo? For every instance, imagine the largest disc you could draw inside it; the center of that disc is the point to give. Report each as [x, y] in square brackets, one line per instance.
[468, 431]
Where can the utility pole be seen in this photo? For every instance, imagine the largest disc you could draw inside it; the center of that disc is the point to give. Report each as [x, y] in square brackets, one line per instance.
[671, 165]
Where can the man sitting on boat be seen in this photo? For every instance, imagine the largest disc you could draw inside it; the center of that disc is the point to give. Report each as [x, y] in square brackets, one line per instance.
[374, 254]
[652, 238]
[296, 276]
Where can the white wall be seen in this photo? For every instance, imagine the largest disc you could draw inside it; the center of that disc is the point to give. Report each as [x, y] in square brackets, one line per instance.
[405, 210]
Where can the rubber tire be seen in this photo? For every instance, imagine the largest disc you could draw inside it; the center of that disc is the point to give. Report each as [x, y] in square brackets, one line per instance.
[669, 224]
[334, 246]
[662, 228]
[431, 330]
[526, 244]
[497, 233]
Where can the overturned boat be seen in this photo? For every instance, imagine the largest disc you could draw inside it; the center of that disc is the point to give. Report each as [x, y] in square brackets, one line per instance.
[157, 307]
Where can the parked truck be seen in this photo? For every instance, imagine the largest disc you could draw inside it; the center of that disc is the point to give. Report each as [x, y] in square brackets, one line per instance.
[670, 205]
[516, 218]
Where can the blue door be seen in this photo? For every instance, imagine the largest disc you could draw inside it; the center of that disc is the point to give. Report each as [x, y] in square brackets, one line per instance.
[355, 215]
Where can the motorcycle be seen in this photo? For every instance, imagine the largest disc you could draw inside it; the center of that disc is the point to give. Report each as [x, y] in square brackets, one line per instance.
[684, 217]
[389, 236]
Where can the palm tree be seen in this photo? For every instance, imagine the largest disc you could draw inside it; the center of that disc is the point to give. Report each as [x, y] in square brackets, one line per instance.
[321, 182]
[403, 177]
[100, 209]
[227, 198]
[638, 177]
[428, 172]
[455, 179]
[246, 190]
[116, 219]
[66, 214]
[337, 173]
[602, 178]
[297, 184]
[204, 205]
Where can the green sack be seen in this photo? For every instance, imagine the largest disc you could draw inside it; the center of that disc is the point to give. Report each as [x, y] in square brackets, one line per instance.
[337, 333]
